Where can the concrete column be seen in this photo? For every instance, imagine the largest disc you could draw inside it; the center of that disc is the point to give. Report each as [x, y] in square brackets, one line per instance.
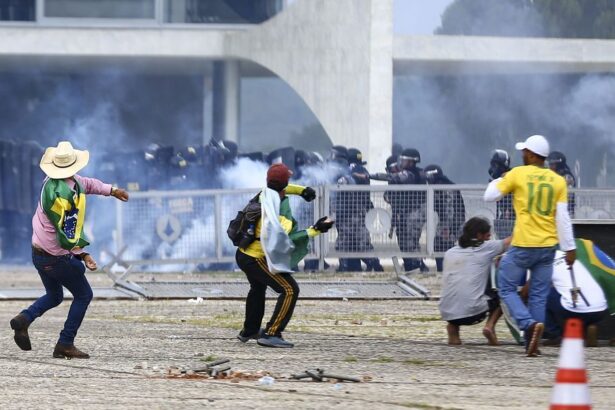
[225, 110]
[232, 88]
[208, 107]
[337, 55]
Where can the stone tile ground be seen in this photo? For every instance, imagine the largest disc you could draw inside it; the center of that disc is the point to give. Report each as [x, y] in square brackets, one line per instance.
[398, 344]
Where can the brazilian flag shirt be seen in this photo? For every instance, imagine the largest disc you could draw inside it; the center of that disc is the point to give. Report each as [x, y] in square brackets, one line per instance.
[536, 193]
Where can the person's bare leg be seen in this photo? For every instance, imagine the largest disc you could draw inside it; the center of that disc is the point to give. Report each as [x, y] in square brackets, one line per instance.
[489, 329]
[453, 334]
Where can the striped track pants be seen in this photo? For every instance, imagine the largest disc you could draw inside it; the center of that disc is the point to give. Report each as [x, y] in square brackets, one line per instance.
[260, 277]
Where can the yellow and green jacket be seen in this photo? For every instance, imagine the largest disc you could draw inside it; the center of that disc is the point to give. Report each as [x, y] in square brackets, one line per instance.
[300, 238]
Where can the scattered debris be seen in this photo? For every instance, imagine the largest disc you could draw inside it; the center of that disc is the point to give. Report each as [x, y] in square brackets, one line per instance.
[319, 375]
[266, 381]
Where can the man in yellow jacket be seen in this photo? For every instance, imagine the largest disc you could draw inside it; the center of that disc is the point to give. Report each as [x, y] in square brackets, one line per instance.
[252, 260]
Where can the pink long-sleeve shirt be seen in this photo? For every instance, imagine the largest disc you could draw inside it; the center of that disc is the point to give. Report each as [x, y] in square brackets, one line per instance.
[44, 232]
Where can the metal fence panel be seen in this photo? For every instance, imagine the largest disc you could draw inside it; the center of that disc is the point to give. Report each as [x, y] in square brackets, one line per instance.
[181, 227]
[408, 221]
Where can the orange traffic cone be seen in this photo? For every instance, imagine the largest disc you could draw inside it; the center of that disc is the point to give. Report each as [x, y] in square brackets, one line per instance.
[571, 391]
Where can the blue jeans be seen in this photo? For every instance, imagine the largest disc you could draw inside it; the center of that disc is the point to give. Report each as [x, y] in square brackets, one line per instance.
[513, 269]
[55, 272]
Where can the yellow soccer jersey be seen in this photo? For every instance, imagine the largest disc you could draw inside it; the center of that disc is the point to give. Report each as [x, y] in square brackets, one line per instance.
[536, 192]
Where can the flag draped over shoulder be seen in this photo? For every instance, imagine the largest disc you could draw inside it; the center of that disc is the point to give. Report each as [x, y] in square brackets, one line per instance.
[284, 245]
[65, 208]
[601, 267]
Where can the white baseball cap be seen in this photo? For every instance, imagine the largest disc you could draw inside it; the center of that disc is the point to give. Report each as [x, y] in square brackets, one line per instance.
[536, 143]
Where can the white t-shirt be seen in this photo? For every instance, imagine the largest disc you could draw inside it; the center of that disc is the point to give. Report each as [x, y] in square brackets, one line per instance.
[562, 282]
[464, 279]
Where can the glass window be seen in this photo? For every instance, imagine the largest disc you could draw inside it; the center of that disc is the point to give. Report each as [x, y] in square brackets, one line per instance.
[17, 10]
[112, 9]
[221, 11]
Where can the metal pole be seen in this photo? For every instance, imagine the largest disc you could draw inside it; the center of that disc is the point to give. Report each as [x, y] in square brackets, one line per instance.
[324, 210]
[430, 225]
[218, 225]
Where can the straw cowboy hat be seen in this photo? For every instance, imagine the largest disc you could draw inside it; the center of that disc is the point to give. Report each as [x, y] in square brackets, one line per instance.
[63, 161]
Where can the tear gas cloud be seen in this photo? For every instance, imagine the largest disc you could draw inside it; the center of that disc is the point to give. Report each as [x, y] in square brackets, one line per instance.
[457, 121]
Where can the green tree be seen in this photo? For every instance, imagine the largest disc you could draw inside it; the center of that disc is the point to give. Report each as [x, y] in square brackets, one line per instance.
[577, 18]
[510, 18]
[530, 18]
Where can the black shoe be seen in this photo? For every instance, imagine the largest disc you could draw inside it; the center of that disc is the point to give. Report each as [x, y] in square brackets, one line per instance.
[552, 342]
[533, 334]
[255, 336]
[63, 351]
[20, 325]
[274, 341]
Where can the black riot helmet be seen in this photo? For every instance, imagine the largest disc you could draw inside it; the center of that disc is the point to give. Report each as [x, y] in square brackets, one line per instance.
[409, 158]
[392, 164]
[433, 173]
[301, 158]
[556, 161]
[355, 156]
[338, 152]
[499, 164]
[151, 152]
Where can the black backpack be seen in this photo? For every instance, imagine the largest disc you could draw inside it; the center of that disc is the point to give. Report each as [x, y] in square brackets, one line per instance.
[242, 229]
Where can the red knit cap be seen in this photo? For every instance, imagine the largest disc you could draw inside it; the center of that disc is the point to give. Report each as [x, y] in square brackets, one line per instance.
[279, 173]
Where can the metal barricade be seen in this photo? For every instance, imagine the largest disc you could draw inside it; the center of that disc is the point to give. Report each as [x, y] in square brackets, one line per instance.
[186, 227]
[377, 221]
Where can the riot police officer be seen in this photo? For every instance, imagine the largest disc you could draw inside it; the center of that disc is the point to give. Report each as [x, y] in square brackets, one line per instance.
[338, 169]
[505, 215]
[408, 207]
[557, 163]
[449, 206]
[353, 223]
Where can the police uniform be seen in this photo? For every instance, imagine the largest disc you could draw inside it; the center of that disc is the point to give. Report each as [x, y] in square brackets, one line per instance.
[449, 206]
[557, 162]
[352, 225]
[408, 207]
[504, 214]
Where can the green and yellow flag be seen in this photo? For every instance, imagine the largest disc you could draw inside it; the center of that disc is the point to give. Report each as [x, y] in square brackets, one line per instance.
[601, 267]
[66, 210]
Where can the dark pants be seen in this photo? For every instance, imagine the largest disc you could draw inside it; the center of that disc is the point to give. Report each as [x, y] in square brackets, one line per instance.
[493, 304]
[557, 315]
[260, 277]
[409, 227]
[55, 272]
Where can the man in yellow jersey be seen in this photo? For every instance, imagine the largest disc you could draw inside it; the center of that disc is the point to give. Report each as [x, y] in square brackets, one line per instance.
[540, 200]
[253, 261]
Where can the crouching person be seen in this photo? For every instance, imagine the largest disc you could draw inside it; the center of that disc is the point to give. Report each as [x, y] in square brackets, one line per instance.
[466, 298]
[588, 297]
[267, 261]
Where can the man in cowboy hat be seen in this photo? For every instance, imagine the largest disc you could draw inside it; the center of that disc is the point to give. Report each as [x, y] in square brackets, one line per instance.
[57, 244]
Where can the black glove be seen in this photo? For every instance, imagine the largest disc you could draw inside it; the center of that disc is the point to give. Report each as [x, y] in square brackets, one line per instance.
[322, 225]
[308, 194]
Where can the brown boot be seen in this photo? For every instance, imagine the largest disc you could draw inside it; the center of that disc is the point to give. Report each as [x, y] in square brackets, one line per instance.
[63, 351]
[20, 325]
[591, 338]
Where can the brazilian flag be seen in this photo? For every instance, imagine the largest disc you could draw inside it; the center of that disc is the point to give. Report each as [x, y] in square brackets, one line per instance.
[601, 267]
[65, 208]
